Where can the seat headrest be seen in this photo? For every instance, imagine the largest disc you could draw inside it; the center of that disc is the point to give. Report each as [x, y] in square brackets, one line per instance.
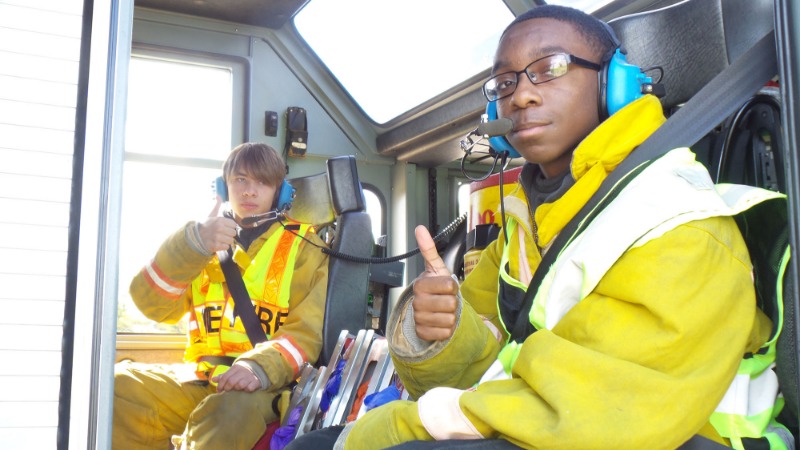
[692, 40]
[312, 202]
[345, 188]
[320, 198]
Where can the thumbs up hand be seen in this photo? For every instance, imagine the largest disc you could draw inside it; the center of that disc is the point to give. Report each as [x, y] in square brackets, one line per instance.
[217, 232]
[435, 302]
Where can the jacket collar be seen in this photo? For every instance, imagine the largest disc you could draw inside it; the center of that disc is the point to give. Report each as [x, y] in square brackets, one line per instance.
[594, 158]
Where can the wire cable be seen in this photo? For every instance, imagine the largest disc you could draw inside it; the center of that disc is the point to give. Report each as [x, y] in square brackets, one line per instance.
[504, 155]
[375, 260]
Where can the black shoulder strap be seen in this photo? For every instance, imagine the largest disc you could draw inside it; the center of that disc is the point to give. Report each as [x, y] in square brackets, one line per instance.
[698, 442]
[720, 98]
[243, 305]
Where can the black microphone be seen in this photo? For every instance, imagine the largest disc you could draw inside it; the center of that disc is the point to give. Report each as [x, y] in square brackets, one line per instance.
[499, 127]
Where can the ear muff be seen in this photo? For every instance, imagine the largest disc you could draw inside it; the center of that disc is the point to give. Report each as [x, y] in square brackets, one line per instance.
[619, 82]
[499, 143]
[285, 196]
[221, 189]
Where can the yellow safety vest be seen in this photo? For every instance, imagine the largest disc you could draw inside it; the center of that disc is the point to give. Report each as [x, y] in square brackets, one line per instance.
[213, 328]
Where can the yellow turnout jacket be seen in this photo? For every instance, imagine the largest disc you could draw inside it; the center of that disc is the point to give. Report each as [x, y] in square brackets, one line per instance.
[640, 362]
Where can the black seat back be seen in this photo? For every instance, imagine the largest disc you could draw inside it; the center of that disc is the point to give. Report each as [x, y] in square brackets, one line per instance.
[335, 198]
[348, 281]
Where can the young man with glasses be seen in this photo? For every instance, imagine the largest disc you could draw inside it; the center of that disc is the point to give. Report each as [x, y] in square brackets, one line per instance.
[629, 348]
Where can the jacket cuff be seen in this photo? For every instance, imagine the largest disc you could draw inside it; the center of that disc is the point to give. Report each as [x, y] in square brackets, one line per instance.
[402, 334]
[441, 415]
[257, 370]
[194, 240]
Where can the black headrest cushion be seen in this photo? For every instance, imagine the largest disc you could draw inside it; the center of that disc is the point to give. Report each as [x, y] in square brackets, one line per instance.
[345, 187]
[693, 40]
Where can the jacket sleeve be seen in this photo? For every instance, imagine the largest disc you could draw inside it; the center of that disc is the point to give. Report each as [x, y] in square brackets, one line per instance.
[461, 360]
[641, 362]
[299, 339]
[161, 290]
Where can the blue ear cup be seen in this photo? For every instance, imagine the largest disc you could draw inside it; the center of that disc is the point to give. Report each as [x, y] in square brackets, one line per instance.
[499, 143]
[623, 83]
[221, 188]
[285, 196]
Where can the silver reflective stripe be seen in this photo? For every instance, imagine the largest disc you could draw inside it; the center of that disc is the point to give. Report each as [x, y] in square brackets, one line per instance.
[670, 192]
[442, 417]
[750, 396]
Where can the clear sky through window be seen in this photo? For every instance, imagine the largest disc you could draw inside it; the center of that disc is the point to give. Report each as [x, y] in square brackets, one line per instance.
[393, 56]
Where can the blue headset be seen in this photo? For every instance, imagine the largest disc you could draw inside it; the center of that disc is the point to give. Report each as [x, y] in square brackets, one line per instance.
[619, 83]
[285, 195]
[499, 143]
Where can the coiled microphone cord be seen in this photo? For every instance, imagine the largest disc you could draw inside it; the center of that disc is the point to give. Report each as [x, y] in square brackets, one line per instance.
[375, 260]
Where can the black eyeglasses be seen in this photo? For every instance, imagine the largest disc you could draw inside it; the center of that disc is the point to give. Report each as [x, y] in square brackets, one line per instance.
[540, 71]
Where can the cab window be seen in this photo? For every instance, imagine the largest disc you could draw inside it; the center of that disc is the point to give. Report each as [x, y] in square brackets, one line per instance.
[376, 211]
[176, 142]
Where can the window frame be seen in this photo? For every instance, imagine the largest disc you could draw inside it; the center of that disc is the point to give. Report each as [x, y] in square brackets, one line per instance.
[240, 87]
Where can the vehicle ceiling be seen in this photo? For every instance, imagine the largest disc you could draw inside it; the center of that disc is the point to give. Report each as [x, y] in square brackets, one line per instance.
[261, 13]
[428, 135]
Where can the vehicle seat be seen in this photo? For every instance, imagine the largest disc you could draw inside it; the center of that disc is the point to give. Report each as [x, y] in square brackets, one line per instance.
[335, 198]
[348, 281]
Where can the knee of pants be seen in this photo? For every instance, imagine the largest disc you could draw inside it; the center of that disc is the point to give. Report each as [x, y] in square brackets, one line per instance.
[234, 408]
[231, 417]
[133, 414]
[127, 386]
[138, 384]
[137, 427]
[124, 380]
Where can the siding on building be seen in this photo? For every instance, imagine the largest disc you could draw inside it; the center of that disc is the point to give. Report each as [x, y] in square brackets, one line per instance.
[39, 58]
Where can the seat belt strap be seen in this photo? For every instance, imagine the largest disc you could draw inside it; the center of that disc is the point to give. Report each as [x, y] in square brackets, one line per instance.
[698, 442]
[718, 99]
[243, 305]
